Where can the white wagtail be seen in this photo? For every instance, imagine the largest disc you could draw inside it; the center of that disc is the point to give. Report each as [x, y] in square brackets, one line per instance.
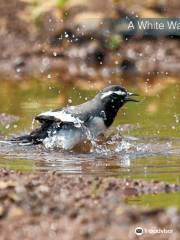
[66, 127]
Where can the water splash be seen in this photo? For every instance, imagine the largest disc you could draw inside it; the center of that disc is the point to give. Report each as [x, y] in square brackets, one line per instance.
[32, 124]
[129, 147]
[114, 153]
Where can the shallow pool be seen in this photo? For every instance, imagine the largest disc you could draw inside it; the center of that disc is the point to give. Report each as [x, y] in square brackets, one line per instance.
[143, 143]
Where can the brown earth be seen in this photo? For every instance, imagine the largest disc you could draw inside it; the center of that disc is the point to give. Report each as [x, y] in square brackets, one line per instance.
[54, 206]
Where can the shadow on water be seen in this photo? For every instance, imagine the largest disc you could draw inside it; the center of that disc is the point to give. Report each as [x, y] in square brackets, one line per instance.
[149, 148]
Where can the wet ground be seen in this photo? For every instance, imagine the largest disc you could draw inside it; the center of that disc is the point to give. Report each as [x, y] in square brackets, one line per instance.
[55, 206]
[53, 44]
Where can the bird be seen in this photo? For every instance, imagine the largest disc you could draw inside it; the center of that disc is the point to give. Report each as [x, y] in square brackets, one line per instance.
[69, 126]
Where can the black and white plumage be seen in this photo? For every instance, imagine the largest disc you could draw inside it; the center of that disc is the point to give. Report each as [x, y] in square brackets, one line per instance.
[66, 127]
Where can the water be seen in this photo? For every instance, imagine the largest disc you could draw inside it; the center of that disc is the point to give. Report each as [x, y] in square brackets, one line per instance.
[144, 142]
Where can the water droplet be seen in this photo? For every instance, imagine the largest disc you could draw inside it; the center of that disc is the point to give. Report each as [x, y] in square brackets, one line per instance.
[32, 124]
[66, 35]
[176, 118]
[45, 61]
[7, 126]
[18, 70]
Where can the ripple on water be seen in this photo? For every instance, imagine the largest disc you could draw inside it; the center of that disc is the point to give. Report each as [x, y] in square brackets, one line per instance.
[125, 156]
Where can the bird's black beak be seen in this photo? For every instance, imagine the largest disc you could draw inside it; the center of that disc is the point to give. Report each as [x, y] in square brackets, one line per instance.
[129, 99]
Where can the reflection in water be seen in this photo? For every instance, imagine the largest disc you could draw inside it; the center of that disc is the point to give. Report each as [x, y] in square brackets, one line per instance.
[125, 157]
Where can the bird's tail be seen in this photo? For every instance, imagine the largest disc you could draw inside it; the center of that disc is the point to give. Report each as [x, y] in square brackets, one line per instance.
[34, 138]
[23, 140]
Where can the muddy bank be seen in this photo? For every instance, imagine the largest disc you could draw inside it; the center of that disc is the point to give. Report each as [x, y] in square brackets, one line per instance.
[54, 206]
[55, 48]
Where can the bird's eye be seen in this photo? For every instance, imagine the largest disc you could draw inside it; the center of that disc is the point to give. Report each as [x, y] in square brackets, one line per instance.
[114, 95]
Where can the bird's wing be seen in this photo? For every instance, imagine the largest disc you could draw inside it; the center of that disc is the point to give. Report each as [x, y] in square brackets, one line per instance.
[64, 115]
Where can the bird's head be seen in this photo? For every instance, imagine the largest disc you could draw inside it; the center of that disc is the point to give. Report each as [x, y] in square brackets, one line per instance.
[116, 96]
[111, 99]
